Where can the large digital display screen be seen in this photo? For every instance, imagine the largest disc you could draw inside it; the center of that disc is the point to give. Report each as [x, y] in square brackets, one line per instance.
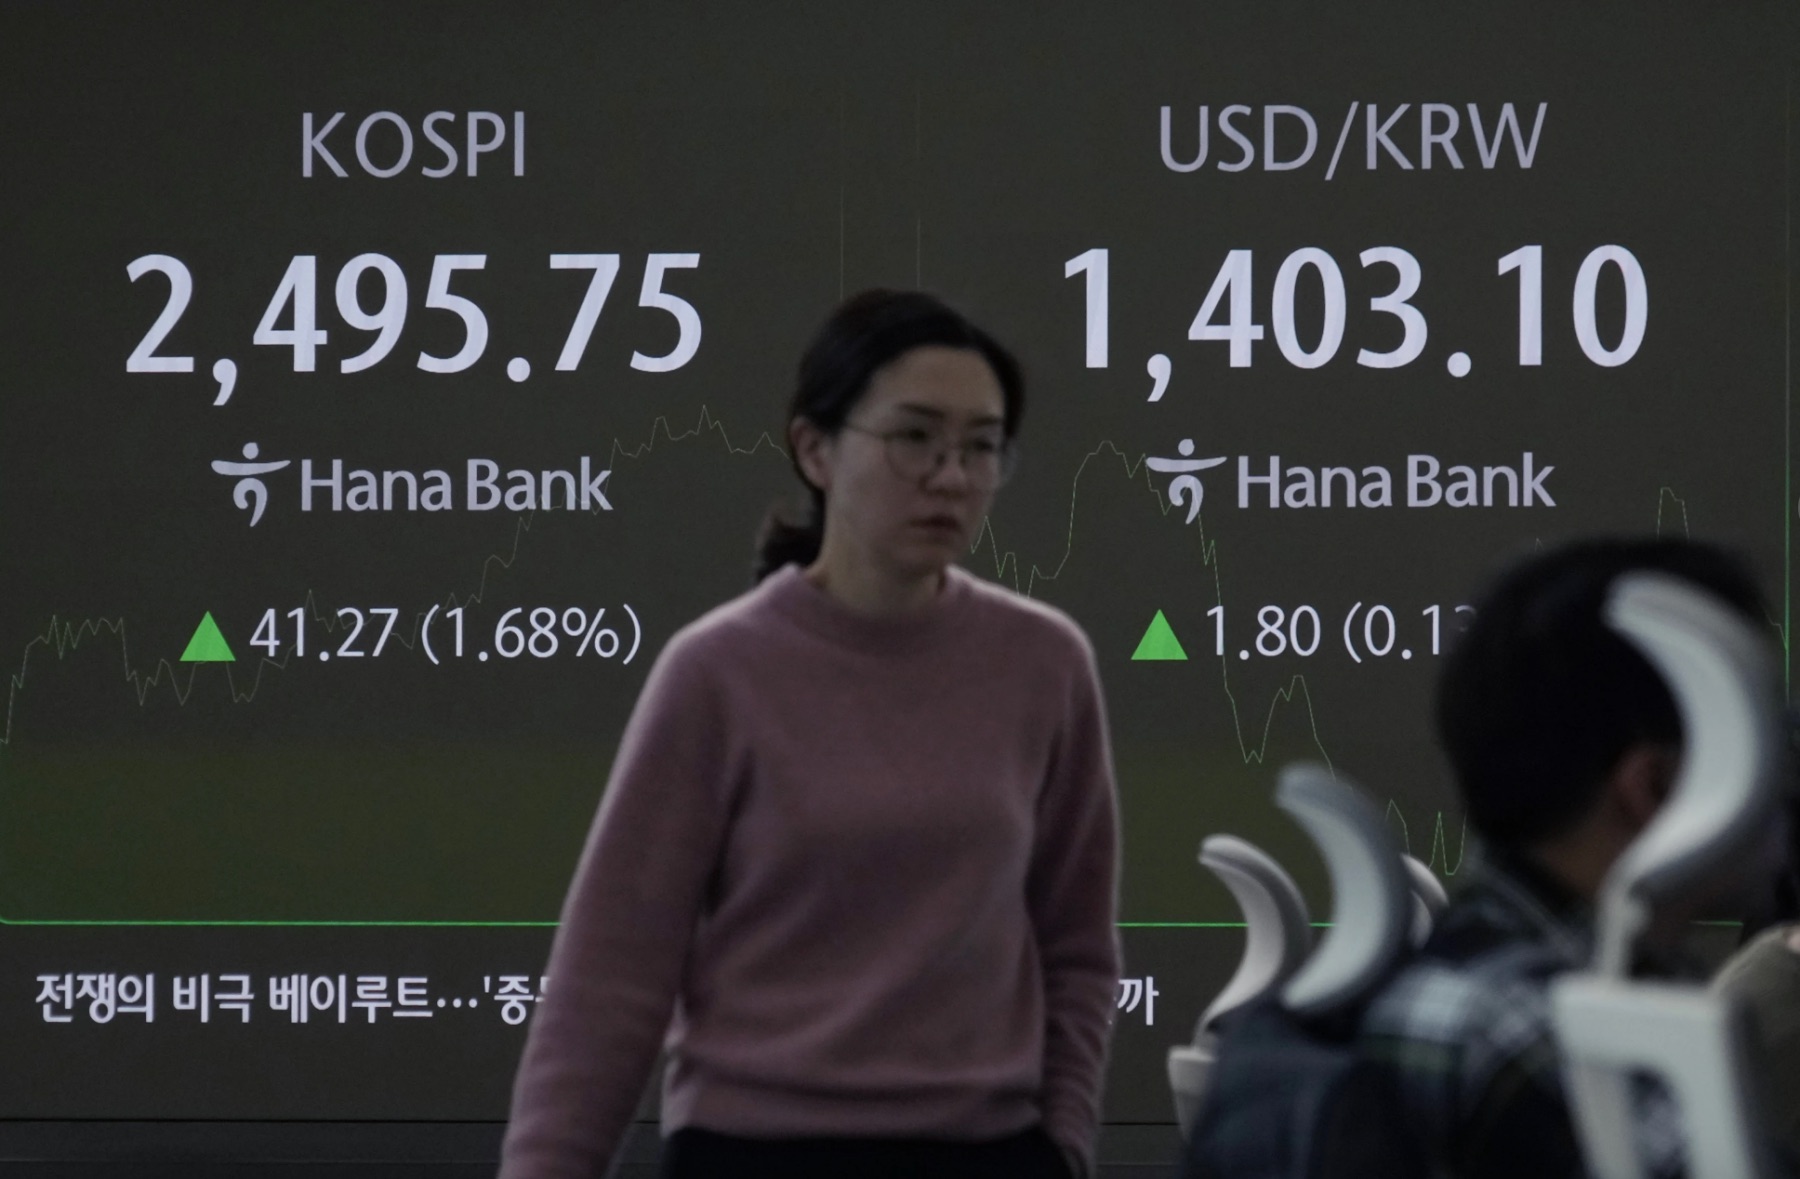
[383, 385]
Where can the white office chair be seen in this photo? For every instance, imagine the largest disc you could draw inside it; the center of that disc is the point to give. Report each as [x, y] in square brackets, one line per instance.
[1723, 804]
[1371, 896]
[1277, 936]
[1429, 898]
[1380, 899]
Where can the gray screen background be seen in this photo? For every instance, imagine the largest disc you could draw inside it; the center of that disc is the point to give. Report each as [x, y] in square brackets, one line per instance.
[393, 817]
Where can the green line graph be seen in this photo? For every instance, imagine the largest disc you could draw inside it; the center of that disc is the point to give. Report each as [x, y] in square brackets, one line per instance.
[1007, 566]
[60, 638]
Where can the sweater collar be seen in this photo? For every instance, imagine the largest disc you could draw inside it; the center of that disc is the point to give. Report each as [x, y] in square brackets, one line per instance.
[823, 615]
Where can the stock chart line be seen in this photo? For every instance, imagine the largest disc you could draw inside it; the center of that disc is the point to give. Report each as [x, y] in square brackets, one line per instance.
[1665, 496]
[1438, 855]
[1007, 566]
[62, 637]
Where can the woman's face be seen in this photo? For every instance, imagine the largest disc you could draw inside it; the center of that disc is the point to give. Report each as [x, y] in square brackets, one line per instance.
[908, 479]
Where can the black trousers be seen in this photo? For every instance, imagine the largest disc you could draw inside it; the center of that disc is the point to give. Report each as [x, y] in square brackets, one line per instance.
[701, 1154]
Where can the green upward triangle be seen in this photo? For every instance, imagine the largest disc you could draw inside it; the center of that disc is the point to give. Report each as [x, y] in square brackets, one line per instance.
[208, 645]
[1159, 641]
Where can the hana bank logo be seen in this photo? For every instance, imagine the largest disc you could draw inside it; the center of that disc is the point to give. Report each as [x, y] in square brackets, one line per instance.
[1185, 487]
[335, 486]
[1419, 481]
[250, 492]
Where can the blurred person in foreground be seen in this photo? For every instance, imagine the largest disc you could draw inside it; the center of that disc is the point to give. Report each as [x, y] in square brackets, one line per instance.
[1564, 743]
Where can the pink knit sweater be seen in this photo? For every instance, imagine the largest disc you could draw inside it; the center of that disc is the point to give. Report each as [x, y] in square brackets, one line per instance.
[861, 871]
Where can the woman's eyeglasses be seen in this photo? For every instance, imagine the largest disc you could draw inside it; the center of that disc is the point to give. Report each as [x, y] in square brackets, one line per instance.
[916, 453]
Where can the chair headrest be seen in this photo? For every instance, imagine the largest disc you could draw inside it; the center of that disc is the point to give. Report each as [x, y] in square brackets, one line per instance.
[1429, 898]
[1371, 902]
[1277, 927]
[1721, 674]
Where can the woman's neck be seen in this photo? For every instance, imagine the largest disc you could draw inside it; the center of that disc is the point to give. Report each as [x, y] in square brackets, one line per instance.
[865, 588]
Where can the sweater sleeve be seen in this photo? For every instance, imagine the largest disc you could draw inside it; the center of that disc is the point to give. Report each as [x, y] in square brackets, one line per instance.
[1073, 897]
[616, 961]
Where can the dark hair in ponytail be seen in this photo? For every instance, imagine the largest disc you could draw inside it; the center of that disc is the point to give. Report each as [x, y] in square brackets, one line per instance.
[866, 332]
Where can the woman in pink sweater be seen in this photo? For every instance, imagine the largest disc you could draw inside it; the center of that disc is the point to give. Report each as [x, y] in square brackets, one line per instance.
[855, 868]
